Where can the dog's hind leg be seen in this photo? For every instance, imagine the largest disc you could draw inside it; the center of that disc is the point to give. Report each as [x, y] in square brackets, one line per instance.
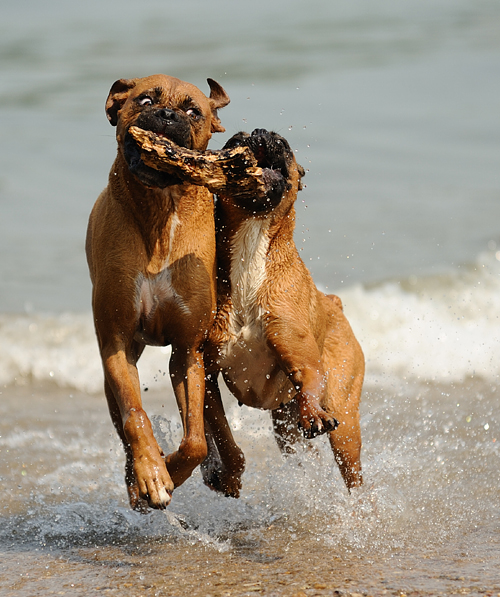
[343, 361]
[286, 432]
[225, 463]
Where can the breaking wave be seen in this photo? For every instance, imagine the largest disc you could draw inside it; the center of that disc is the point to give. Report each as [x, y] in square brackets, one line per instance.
[443, 328]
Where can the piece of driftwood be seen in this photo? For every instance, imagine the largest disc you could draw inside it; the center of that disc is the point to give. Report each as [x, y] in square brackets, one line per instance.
[228, 171]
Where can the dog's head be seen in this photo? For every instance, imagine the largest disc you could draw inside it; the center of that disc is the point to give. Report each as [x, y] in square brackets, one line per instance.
[280, 170]
[168, 107]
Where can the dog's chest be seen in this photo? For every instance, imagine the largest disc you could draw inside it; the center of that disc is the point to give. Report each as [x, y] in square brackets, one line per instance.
[249, 365]
[156, 293]
[249, 248]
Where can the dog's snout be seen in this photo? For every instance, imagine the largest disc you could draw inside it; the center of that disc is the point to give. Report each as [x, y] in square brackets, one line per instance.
[168, 115]
[260, 138]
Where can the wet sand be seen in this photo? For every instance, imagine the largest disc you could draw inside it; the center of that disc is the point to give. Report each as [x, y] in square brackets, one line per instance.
[248, 568]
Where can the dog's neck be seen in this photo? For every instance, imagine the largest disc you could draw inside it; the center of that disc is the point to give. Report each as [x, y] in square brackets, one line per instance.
[230, 220]
[245, 244]
[152, 209]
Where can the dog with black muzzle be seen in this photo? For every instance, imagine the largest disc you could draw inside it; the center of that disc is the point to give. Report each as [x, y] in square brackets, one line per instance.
[280, 343]
[151, 254]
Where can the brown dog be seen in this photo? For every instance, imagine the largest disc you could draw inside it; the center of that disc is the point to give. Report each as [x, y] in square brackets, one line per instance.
[279, 342]
[151, 254]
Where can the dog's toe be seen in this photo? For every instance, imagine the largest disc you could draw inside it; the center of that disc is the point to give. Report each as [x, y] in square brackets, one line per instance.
[319, 428]
[137, 503]
[164, 498]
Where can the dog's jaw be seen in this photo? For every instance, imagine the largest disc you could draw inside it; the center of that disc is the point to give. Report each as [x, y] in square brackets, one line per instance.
[164, 122]
[147, 176]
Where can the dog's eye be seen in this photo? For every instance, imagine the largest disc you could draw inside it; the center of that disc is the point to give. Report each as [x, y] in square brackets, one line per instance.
[193, 113]
[145, 101]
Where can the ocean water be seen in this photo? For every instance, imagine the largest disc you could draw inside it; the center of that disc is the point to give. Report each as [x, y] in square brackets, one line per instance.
[392, 107]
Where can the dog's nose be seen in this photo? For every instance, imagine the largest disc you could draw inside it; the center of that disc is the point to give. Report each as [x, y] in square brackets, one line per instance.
[259, 132]
[168, 115]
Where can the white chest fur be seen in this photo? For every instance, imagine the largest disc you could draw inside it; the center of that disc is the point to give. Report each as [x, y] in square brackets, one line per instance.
[248, 272]
[157, 290]
[248, 363]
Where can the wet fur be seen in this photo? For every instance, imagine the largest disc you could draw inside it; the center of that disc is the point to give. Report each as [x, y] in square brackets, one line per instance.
[151, 254]
[279, 342]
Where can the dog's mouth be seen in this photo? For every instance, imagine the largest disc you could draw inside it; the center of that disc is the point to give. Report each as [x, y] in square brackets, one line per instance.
[164, 123]
[167, 123]
[147, 176]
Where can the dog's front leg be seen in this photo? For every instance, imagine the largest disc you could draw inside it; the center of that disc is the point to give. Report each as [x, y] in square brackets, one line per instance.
[188, 379]
[146, 474]
[286, 433]
[309, 380]
[298, 354]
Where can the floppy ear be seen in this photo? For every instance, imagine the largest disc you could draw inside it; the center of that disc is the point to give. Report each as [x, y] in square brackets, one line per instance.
[218, 99]
[117, 96]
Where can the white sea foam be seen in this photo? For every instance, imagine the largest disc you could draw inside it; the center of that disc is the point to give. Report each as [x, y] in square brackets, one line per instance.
[63, 349]
[444, 328]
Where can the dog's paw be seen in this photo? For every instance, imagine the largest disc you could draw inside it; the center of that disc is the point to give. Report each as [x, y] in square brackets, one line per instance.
[154, 484]
[324, 427]
[314, 422]
[218, 478]
[221, 482]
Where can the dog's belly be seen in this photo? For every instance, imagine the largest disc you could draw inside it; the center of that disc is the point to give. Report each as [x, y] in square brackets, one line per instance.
[252, 371]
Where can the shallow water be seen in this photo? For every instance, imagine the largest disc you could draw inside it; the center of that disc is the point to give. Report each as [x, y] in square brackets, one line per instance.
[426, 520]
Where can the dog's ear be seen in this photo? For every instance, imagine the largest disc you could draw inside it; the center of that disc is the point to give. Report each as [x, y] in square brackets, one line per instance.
[117, 96]
[218, 99]
[302, 173]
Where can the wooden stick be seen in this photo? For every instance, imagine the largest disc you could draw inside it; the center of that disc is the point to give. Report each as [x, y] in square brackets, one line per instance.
[225, 172]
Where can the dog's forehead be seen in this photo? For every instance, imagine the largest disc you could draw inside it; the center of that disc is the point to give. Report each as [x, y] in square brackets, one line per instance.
[170, 89]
